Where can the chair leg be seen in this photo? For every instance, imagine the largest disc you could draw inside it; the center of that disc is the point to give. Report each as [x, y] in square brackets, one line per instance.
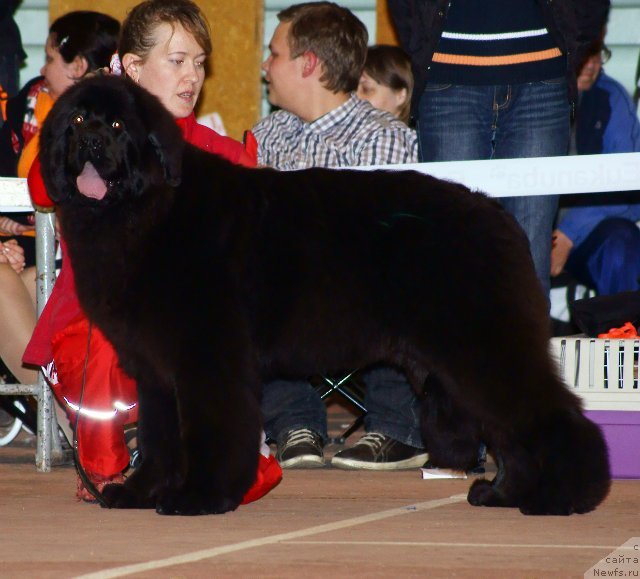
[48, 446]
[357, 423]
[44, 436]
[349, 389]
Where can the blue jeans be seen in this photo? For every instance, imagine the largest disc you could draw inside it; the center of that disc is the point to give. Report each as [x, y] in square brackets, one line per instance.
[393, 408]
[463, 122]
[609, 258]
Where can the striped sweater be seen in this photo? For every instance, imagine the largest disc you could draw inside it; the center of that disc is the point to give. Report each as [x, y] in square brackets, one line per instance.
[488, 42]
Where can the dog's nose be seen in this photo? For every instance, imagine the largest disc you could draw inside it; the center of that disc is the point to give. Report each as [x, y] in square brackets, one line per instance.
[93, 142]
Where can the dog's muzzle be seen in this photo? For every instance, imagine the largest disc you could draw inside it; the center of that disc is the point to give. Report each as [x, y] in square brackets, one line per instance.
[91, 145]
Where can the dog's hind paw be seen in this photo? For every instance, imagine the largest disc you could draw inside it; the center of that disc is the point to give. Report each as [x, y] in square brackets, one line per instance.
[120, 496]
[552, 502]
[189, 503]
[546, 509]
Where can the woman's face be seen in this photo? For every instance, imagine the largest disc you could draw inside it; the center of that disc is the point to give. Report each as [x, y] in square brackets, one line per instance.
[380, 96]
[589, 72]
[58, 74]
[173, 70]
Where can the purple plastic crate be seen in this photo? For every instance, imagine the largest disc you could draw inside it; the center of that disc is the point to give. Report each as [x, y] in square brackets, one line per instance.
[621, 429]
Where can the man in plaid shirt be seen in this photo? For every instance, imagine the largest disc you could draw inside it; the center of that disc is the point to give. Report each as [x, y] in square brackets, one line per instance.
[317, 54]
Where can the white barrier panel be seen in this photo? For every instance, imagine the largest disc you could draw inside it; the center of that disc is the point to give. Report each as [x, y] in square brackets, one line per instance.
[496, 177]
[14, 195]
[537, 176]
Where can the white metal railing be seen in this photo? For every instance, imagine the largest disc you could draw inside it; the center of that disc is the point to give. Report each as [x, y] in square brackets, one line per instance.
[14, 196]
[568, 175]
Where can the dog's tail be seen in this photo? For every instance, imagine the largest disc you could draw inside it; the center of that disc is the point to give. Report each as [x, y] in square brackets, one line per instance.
[575, 474]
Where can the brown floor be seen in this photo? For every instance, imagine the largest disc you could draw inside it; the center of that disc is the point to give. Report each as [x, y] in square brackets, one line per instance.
[317, 523]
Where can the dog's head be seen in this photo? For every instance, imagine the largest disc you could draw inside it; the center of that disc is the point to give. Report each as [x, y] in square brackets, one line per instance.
[107, 138]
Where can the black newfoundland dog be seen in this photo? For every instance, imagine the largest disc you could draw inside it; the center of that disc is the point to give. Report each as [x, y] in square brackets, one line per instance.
[210, 278]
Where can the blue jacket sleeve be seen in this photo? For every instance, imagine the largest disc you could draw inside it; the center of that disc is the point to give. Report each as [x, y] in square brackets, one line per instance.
[578, 222]
[622, 134]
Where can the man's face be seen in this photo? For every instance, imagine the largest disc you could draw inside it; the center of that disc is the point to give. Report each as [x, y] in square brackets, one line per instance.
[282, 73]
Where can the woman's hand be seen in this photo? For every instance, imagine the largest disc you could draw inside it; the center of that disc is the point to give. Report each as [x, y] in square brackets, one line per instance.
[560, 249]
[12, 254]
[8, 225]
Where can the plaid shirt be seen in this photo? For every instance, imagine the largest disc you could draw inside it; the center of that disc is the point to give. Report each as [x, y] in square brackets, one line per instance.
[354, 134]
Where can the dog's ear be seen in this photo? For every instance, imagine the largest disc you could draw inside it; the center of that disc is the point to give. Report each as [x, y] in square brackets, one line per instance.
[52, 155]
[170, 155]
[163, 132]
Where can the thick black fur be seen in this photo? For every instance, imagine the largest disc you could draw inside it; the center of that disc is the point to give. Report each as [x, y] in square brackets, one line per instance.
[211, 278]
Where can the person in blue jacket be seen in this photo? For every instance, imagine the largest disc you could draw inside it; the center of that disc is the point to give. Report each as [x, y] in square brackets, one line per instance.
[599, 244]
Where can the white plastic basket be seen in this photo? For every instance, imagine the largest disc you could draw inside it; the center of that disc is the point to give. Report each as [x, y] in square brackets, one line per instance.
[603, 372]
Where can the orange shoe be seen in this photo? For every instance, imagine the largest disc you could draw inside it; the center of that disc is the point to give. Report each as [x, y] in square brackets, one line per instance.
[627, 331]
[268, 477]
[99, 481]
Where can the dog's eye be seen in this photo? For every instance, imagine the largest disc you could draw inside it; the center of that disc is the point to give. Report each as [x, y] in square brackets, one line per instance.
[77, 120]
[117, 125]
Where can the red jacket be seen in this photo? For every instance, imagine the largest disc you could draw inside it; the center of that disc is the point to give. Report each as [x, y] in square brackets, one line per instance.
[62, 306]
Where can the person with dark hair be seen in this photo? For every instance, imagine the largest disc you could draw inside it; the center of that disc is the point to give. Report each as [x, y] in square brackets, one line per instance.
[78, 42]
[317, 54]
[387, 80]
[12, 54]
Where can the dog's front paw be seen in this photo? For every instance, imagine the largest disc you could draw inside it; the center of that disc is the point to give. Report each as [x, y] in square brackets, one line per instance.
[483, 493]
[122, 497]
[189, 503]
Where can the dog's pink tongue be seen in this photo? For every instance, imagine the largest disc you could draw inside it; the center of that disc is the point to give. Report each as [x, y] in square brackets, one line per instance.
[90, 183]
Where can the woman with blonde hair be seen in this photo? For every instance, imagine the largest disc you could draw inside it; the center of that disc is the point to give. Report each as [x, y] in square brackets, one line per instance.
[163, 47]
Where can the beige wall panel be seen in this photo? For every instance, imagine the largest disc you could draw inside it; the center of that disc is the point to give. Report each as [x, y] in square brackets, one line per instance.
[232, 87]
[385, 33]
[115, 8]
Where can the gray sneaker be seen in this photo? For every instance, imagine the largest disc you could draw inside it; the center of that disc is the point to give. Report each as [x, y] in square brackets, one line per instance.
[375, 451]
[300, 448]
